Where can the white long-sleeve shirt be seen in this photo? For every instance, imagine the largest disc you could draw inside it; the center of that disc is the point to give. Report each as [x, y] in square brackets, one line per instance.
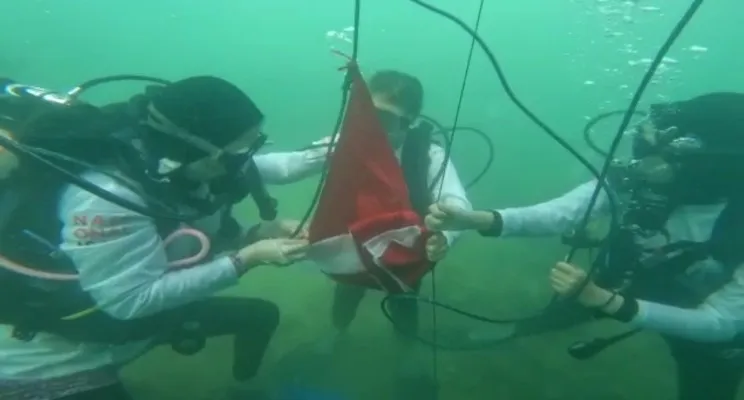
[288, 167]
[125, 273]
[283, 168]
[720, 318]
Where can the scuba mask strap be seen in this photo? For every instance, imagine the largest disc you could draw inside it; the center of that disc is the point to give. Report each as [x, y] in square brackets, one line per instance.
[162, 124]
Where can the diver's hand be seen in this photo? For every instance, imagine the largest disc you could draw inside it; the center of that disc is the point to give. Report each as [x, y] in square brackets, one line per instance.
[278, 252]
[281, 228]
[445, 216]
[437, 247]
[567, 279]
[320, 148]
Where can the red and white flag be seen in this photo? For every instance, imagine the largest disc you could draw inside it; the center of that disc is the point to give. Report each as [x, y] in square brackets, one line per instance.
[365, 231]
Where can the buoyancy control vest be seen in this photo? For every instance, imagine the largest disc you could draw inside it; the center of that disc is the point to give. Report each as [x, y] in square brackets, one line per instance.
[415, 161]
[653, 274]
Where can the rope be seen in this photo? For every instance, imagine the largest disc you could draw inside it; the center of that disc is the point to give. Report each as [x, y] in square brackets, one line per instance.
[447, 155]
[345, 88]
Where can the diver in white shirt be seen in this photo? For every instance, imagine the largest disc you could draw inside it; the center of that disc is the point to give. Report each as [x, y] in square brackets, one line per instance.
[97, 266]
[398, 98]
[675, 262]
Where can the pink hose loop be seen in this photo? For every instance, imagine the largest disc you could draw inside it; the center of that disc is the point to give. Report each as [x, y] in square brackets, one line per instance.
[184, 262]
[20, 269]
[204, 245]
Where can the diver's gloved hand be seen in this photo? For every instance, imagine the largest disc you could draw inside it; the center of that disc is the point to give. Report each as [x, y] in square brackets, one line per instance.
[281, 228]
[444, 216]
[319, 148]
[437, 247]
[567, 279]
[278, 252]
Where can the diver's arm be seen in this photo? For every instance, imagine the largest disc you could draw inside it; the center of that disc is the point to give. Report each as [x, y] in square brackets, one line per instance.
[289, 167]
[719, 319]
[448, 188]
[121, 260]
[553, 217]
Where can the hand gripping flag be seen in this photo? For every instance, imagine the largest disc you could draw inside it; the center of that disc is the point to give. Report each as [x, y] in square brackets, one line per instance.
[364, 231]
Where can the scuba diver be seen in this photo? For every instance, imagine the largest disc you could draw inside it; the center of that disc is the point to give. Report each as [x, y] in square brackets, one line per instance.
[674, 264]
[398, 99]
[95, 272]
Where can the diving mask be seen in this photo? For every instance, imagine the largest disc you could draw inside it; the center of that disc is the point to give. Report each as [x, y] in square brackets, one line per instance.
[393, 122]
[666, 143]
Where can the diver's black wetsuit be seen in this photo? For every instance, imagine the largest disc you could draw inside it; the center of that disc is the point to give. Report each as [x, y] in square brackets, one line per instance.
[251, 322]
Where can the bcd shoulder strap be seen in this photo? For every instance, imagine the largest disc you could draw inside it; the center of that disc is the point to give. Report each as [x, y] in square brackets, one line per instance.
[727, 238]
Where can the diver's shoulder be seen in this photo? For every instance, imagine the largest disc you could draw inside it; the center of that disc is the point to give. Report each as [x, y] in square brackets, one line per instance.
[74, 195]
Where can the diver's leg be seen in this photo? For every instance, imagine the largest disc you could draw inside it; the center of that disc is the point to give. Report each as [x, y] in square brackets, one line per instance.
[414, 361]
[251, 321]
[702, 375]
[346, 300]
[111, 392]
[405, 315]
